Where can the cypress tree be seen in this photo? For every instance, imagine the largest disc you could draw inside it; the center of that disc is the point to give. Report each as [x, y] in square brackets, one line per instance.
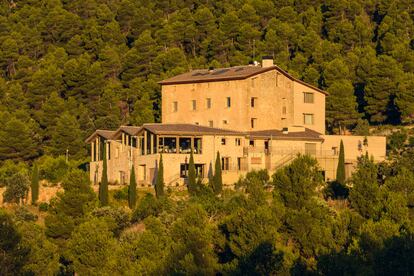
[192, 181]
[159, 185]
[35, 184]
[217, 178]
[103, 187]
[132, 191]
[340, 171]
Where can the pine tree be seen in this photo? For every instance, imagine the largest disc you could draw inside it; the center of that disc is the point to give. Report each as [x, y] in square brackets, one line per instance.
[67, 136]
[132, 191]
[103, 186]
[340, 172]
[159, 185]
[192, 181]
[217, 178]
[35, 183]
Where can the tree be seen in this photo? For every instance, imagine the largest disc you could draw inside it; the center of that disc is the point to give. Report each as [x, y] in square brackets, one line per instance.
[365, 193]
[17, 140]
[217, 178]
[35, 183]
[192, 177]
[132, 190]
[71, 206]
[341, 106]
[13, 255]
[92, 248]
[67, 138]
[142, 112]
[159, 185]
[103, 186]
[17, 188]
[340, 171]
[296, 183]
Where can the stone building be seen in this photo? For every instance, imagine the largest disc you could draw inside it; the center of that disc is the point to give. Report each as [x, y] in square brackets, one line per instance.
[256, 117]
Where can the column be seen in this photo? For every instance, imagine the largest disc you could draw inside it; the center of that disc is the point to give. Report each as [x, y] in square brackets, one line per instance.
[152, 143]
[97, 149]
[92, 151]
[145, 142]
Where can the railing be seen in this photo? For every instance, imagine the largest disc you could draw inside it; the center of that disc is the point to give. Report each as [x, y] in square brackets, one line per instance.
[287, 151]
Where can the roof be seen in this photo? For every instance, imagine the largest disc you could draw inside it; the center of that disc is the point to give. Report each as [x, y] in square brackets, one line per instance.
[275, 134]
[230, 73]
[190, 129]
[187, 129]
[107, 134]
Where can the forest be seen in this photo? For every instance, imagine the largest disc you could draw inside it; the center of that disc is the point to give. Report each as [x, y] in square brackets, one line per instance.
[69, 67]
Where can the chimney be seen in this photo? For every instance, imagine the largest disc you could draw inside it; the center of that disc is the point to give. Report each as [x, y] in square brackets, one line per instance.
[267, 61]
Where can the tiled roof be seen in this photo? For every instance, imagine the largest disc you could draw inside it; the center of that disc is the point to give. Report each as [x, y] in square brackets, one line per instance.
[188, 129]
[107, 134]
[230, 73]
[308, 134]
[131, 130]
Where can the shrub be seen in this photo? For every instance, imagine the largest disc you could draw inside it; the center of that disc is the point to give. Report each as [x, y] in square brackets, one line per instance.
[43, 207]
[117, 218]
[54, 169]
[9, 168]
[147, 206]
[336, 190]
[121, 194]
[24, 214]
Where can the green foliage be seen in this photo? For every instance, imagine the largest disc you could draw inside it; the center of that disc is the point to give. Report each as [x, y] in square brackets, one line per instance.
[54, 169]
[365, 193]
[192, 181]
[132, 190]
[297, 182]
[13, 255]
[159, 184]
[117, 219]
[92, 248]
[23, 214]
[103, 185]
[10, 168]
[340, 171]
[35, 184]
[17, 188]
[396, 141]
[71, 206]
[149, 206]
[217, 184]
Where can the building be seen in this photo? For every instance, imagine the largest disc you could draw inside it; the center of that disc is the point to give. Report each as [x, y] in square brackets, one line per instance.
[256, 117]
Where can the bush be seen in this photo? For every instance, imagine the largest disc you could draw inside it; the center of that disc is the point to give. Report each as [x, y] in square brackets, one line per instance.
[9, 168]
[54, 169]
[121, 194]
[117, 218]
[336, 190]
[24, 214]
[43, 207]
[147, 206]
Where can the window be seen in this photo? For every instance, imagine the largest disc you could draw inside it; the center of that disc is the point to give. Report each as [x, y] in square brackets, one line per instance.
[251, 143]
[210, 123]
[308, 119]
[196, 123]
[208, 103]
[194, 105]
[225, 122]
[225, 163]
[228, 102]
[175, 106]
[308, 97]
[284, 110]
[253, 101]
[253, 122]
[238, 141]
[223, 141]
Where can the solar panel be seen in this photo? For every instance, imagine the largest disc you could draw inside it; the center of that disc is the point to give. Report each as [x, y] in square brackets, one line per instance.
[221, 72]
